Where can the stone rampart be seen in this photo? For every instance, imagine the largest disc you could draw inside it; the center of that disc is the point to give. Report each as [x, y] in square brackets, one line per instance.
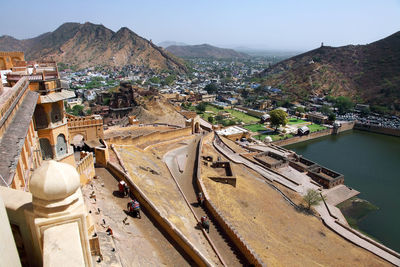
[346, 126]
[85, 167]
[90, 127]
[157, 215]
[303, 138]
[153, 137]
[233, 235]
[377, 129]
[102, 154]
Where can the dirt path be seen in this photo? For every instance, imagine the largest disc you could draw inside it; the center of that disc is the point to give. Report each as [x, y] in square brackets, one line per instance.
[188, 185]
[138, 242]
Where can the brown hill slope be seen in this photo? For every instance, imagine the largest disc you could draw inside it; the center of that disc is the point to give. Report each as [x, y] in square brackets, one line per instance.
[90, 44]
[204, 51]
[367, 73]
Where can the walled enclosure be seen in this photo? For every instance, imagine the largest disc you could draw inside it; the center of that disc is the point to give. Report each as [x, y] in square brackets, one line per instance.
[227, 177]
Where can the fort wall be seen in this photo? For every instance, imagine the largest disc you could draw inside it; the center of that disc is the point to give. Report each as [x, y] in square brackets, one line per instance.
[102, 154]
[85, 167]
[9, 59]
[90, 127]
[346, 126]
[228, 229]
[153, 137]
[298, 139]
[377, 129]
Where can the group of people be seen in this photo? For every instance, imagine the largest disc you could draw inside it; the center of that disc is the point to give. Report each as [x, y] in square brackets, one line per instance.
[133, 206]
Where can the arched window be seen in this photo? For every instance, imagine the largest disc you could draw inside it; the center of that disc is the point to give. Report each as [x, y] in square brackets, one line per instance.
[40, 117]
[55, 112]
[45, 147]
[61, 146]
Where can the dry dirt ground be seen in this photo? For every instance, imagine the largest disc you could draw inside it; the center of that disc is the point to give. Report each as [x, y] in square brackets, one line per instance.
[158, 111]
[279, 234]
[150, 173]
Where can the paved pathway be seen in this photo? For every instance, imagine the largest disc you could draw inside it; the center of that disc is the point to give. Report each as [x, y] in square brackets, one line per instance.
[330, 221]
[186, 181]
[138, 242]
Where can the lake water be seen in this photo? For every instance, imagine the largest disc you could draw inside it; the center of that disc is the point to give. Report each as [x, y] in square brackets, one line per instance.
[370, 163]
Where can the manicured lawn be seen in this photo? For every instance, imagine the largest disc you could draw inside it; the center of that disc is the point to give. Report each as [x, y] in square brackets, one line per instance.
[242, 116]
[293, 121]
[316, 127]
[255, 127]
[237, 115]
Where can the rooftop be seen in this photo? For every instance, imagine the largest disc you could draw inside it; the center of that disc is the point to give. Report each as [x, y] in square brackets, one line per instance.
[232, 130]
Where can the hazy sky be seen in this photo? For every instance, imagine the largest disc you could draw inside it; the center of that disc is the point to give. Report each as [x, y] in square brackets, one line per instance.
[268, 24]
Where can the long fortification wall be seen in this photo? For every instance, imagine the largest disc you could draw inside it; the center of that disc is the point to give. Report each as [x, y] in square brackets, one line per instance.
[229, 230]
[297, 139]
[377, 129]
[85, 167]
[346, 126]
[303, 138]
[162, 221]
[153, 137]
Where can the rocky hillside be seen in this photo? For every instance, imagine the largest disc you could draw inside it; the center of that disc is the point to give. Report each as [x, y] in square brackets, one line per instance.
[204, 51]
[90, 44]
[367, 73]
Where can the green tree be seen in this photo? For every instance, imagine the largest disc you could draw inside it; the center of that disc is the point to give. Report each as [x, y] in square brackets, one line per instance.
[325, 109]
[169, 80]
[332, 116]
[365, 111]
[300, 110]
[210, 119]
[77, 110]
[211, 88]
[344, 104]
[278, 117]
[312, 198]
[155, 80]
[218, 118]
[201, 106]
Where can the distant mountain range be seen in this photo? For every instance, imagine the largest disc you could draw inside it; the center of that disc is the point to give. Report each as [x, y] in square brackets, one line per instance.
[204, 51]
[367, 73]
[165, 44]
[90, 44]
